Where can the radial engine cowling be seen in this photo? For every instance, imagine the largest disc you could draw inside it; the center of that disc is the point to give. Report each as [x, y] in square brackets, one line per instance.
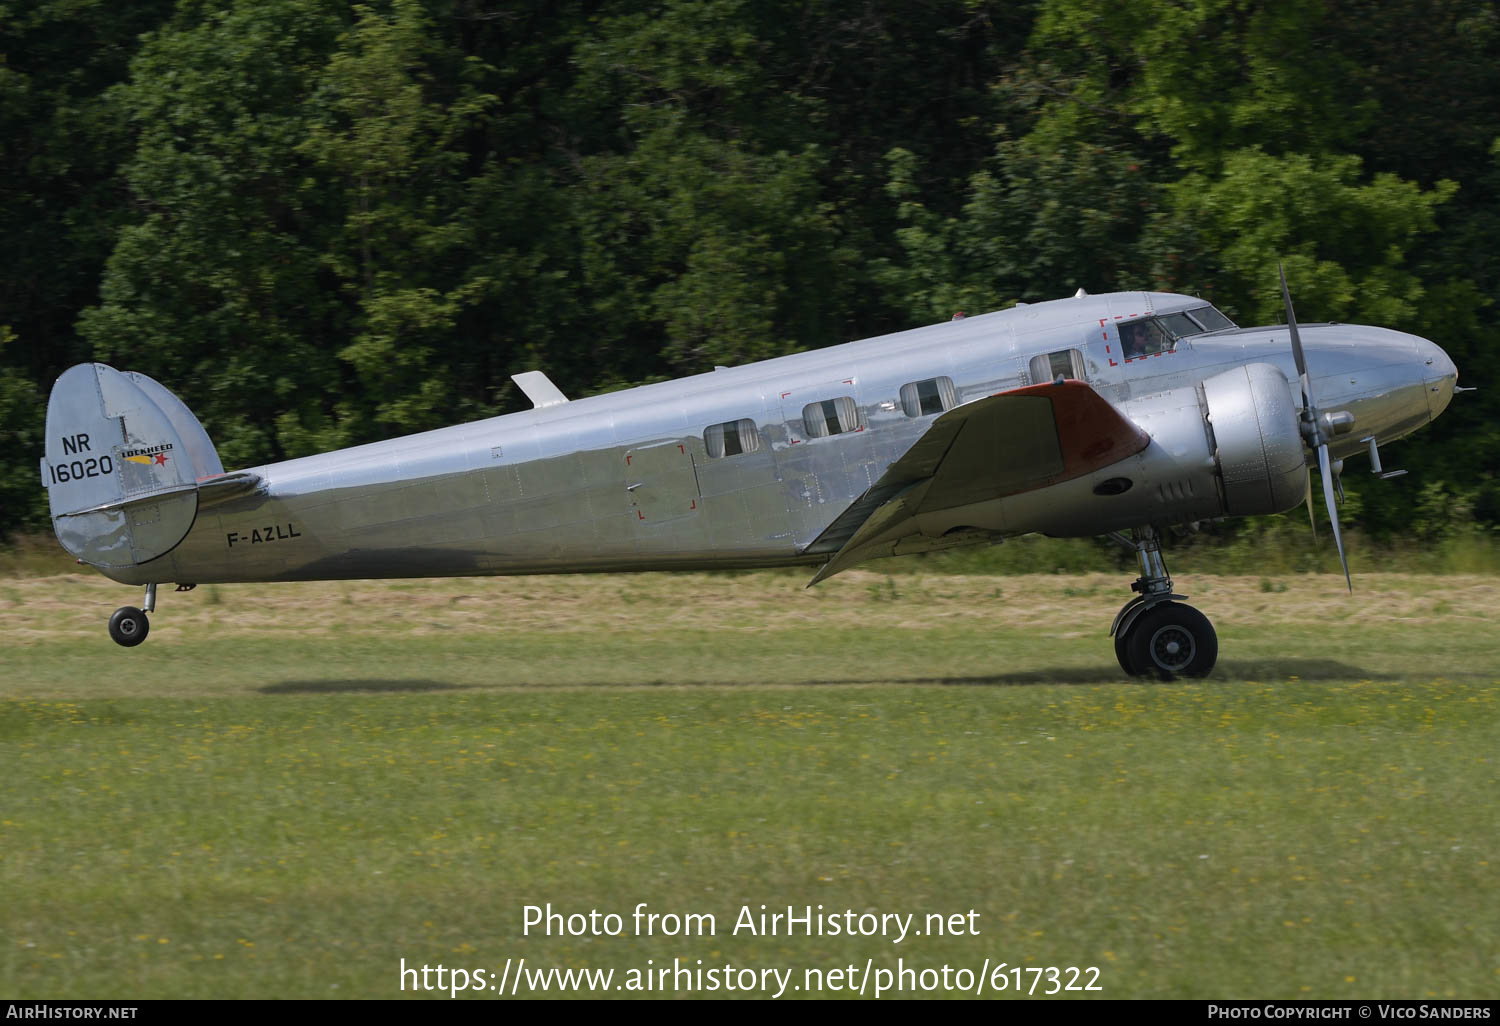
[1253, 419]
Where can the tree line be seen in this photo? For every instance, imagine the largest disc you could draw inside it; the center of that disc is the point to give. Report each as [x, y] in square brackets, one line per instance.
[325, 224]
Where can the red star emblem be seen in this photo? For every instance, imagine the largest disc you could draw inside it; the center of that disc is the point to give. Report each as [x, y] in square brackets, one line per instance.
[161, 459]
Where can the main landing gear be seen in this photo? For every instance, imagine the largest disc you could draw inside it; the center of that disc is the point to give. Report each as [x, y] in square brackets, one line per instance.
[1156, 635]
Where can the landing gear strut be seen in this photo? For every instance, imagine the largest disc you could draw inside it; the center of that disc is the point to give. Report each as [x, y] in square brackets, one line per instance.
[1156, 635]
[129, 625]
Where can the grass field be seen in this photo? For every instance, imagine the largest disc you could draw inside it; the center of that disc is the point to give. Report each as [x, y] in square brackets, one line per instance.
[289, 789]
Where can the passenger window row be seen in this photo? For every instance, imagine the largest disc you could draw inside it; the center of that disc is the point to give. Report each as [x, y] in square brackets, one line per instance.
[831, 417]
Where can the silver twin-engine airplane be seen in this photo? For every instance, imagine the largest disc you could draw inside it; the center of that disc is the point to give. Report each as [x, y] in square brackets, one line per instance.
[1118, 414]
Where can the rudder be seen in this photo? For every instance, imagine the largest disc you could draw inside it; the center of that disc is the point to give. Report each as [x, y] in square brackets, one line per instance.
[201, 455]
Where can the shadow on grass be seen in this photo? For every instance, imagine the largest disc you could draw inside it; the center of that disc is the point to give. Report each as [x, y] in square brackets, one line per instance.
[353, 687]
[1263, 670]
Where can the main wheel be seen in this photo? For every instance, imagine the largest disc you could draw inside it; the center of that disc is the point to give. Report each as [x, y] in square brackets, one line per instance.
[1122, 653]
[1171, 640]
[129, 626]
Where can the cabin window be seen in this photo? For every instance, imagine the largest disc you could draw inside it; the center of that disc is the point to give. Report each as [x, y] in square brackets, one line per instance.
[830, 417]
[1065, 363]
[731, 438]
[934, 395]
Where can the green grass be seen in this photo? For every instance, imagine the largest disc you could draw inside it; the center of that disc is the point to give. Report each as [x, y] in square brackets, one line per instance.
[287, 790]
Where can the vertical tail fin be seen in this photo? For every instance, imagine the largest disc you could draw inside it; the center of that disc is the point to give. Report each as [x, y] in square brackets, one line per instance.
[123, 456]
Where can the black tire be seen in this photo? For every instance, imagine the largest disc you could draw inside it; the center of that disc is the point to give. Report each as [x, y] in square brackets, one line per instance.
[1172, 640]
[1122, 653]
[129, 626]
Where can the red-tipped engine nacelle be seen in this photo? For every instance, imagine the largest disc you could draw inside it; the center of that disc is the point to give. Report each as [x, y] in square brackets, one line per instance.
[1229, 446]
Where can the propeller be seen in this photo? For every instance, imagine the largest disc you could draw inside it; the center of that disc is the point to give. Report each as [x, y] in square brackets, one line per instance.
[1312, 518]
[1317, 428]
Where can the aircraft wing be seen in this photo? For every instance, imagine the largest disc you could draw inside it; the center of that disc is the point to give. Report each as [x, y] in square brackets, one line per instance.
[1001, 445]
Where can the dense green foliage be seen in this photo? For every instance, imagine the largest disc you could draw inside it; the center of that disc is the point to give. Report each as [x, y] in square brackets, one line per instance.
[323, 224]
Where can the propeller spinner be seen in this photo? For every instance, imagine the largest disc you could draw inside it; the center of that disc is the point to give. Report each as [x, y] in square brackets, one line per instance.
[1317, 429]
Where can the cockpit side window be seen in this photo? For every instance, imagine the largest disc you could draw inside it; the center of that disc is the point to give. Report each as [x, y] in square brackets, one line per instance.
[1144, 337]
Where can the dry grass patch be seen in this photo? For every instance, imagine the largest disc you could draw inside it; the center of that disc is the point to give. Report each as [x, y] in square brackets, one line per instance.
[34, 610]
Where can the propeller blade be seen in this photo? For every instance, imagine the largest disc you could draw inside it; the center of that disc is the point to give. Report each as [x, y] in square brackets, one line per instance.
[1291, 322]
[1315, 434]
[1312, 519]
[1326, 472]
[1309, 406]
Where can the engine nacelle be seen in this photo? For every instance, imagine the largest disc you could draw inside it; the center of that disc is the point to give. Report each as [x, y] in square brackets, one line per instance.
[1257, 446]
[1227, 447]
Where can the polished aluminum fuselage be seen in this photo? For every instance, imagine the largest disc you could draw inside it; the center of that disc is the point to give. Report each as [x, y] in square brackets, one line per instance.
[624, 481]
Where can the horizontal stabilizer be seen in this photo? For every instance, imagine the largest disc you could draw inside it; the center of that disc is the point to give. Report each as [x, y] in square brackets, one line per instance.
[119, 473]
[223, 487]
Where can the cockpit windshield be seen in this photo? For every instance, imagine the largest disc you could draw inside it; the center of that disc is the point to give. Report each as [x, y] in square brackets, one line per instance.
[1159, 334]
[1207, 317]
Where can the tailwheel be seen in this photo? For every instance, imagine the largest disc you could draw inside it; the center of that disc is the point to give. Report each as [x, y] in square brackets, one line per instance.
[129, 626]
[1169, 640]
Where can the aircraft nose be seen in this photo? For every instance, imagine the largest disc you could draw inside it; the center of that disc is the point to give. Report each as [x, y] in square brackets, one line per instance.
[1439, 373]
